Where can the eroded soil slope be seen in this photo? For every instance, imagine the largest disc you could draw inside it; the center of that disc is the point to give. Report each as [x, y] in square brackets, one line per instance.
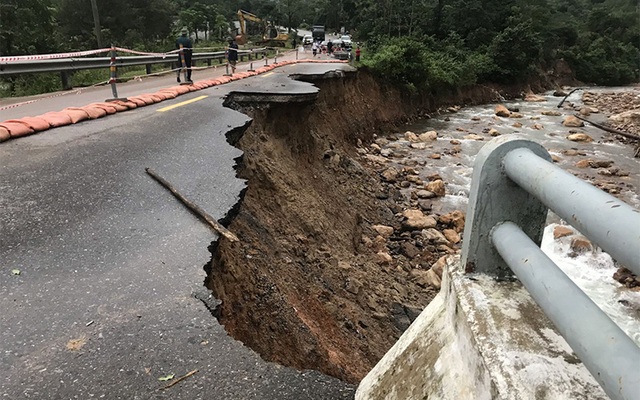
[311, 284]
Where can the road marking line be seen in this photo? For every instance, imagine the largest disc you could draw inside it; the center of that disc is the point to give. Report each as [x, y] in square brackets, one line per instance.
[184, 103]
[268, 73]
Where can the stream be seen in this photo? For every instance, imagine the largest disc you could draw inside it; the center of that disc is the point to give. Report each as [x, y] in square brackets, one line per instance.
[591, 271]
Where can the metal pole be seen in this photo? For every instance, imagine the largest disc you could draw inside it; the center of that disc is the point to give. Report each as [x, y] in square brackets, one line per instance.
[296, 53]
[183, 64]
[607, 352]
[96, 22]
[587, 208]
[112, 68]
[251, 67]
[275, 58]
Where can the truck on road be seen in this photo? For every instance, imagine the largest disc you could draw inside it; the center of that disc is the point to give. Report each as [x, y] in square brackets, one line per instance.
[317, 31]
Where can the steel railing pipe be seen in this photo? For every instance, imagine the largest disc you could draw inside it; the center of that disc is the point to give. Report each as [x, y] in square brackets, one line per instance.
[610, 223]
[607, 352]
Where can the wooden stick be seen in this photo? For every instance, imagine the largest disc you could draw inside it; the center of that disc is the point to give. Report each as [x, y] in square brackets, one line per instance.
[565, 97]
[194, 207]
[611, 130]
[180, 379]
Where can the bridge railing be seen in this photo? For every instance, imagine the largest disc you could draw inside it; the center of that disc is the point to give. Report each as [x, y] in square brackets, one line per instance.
[80, 63]
[514, 184]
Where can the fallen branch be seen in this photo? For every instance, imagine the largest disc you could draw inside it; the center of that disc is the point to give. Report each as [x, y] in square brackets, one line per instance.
[180, 379]
[565, 97]
[194, 207]
[610, 130]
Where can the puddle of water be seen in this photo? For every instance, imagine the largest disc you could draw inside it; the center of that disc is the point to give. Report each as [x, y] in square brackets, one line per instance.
[593, 271]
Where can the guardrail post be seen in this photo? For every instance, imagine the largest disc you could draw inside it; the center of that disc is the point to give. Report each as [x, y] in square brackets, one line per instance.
[208, 62]
[494, 198]
[250, 54]
[266, 59]
[251, 67]
[296, 53]
[114, 76]
[275, 58]
[227, 70]
[147, 68]
[65, 77]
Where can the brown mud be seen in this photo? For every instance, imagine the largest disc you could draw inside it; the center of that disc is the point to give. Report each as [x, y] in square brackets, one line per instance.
[311, 283]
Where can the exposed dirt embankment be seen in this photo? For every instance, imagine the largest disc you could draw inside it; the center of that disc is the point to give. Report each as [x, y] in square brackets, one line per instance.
[311, 283]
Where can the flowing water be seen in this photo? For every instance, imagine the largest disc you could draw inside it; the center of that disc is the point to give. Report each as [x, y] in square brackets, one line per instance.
[591, 271]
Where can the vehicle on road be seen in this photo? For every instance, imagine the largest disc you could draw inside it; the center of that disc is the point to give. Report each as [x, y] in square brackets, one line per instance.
[346, 41]
[271, 35]
[307, 40]
[318, 33]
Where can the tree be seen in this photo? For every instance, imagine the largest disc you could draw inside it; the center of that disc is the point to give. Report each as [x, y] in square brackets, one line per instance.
[26, 27]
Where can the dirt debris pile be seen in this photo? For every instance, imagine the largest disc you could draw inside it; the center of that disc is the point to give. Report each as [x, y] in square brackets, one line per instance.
[334, 262]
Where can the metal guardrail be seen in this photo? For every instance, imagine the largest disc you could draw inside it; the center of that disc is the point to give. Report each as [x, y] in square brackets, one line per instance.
[75, 64]
[513, 186]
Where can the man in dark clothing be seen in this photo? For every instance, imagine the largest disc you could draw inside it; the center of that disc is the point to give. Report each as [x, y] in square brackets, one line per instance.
[184, 57]
[232, 55]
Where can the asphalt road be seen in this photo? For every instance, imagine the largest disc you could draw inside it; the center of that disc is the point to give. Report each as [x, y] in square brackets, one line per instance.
[110, 294]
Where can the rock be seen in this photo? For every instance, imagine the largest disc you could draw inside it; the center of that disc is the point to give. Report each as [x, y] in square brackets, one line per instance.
[427, 278]
[425, 205]
[534, 98]
[383, 230]
[562, 231]
[386, 153]
[626, 277]
[572, 122]
[517, 125]
[409, 250]
[410, 136]
[429, 136]
[555, 158]
[418, 146]
[439, 265]
[415, 220]
[583, 164]
[627, 117]
[436, 187]
[383, 258]
[579, 137]
[425, 194]
[551, 113]
[572, 152]
[381, 142]
[475, 118]
[352, 285]
[560, 93]
[390, 175]
[399, 317]
[538, 127]
[494, 132]
[600, 163]
[454, 142]
[502, 111]
[581, 244]
[453, 109]
[453, 219]
[435, 156]
[345, 265]
[585, 111]
[451, 235]
[516, 115]
[473, 136]
[434, 235]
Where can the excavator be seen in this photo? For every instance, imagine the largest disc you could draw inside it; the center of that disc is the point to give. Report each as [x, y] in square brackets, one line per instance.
[270, 33]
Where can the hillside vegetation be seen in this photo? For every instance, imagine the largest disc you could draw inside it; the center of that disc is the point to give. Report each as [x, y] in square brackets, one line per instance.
[423, 44]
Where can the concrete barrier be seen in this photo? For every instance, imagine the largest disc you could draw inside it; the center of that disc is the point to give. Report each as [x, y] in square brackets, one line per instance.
[480, 339]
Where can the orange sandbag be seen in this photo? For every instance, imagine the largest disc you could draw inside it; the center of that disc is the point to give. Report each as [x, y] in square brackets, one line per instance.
[200, 85]
[94, 112]
[4, 134]
[129, 104]
[180, 89]
[77, 114]
[169, 93]
[138, 101]
[162, 96]
[36, 123]
[108, 107]
[119, 107]
[17, 129]
[57, 118]
[148, 99]
[224, 79]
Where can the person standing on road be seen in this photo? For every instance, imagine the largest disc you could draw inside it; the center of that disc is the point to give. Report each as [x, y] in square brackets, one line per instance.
[185, 45]
[314, 48]
[232, 55]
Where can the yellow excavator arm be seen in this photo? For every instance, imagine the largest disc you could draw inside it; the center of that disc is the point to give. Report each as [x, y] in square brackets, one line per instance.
[244, 16]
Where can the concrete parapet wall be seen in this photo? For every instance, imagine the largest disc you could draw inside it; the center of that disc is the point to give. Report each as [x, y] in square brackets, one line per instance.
[480, 339]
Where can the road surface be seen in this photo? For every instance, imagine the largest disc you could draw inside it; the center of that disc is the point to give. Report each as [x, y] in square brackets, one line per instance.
[101, 269]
